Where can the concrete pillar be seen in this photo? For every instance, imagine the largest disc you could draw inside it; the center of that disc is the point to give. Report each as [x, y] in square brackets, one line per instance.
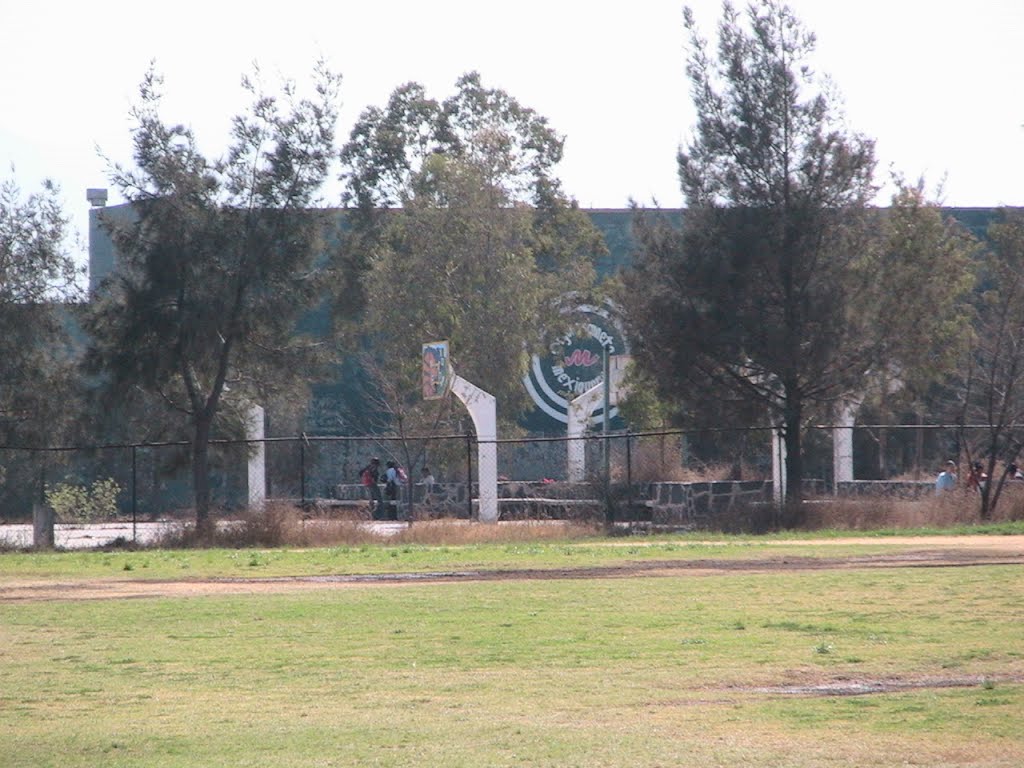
[257, 469]
[842, 445]
[43, 520]
[483, 410]
[778, 467]
[580, 409]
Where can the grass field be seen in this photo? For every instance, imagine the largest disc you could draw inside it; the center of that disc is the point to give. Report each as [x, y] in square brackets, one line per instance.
[692, 667]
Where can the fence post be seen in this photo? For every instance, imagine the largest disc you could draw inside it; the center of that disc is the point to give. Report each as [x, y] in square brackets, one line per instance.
[302, 471]
[629, 475]
[42, 525]
[609, 503]
[43, 517]
[469, 474]
[135, 498]
[606, 420]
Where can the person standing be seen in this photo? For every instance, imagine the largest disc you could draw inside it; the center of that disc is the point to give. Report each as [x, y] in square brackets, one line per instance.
[369, 476]
[946, 481]
[976, 477]
[392, 481]
[426, 484]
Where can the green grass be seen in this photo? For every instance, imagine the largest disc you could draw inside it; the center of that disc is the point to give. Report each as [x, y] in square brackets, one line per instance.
[411, 557]
[659, 671]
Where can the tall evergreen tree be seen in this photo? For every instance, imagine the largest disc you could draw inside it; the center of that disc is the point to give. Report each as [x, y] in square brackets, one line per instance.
[920, 308]
[756, 296]
[39, 285]
[39, 280]
[991, 385]
[219, 261]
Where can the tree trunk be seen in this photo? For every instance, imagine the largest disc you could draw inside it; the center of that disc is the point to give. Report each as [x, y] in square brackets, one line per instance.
[883, 434]
[201, 475]
[794, 462]
[988, 496]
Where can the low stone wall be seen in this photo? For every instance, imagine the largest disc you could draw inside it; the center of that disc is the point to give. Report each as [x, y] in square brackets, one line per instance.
[437, 500]
[674, 504]
[454, 493]
[692, 504]
[893, 489]
[450, 492]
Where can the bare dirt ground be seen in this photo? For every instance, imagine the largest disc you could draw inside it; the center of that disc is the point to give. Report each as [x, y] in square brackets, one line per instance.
[920, 552]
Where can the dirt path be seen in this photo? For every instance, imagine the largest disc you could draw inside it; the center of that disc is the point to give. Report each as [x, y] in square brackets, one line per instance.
[922, 552]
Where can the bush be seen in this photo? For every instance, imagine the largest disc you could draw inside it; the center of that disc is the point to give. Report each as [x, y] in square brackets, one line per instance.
[84, 503]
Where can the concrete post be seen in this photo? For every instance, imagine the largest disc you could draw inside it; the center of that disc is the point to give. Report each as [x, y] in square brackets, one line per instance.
[579, 412]
[257, 469]
[43, 520]
[483, 410]
[842, 445]
[778, 468]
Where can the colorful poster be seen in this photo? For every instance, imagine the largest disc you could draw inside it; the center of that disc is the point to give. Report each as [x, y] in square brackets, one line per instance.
[436, 370]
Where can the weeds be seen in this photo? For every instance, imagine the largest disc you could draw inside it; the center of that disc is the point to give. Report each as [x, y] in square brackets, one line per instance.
[952, 511]
[282, 525]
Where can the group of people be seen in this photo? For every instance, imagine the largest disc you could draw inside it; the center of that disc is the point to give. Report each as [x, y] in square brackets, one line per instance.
[976, 476]
[386, 507]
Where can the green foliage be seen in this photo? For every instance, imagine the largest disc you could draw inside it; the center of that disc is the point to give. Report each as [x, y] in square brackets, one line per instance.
[753, 299]
[990, 387]
[217, 263]
[385, 157]
[478, 252]
[84, 503]
[642, 408]
[35, 263]
[37, 274]
[921, 308]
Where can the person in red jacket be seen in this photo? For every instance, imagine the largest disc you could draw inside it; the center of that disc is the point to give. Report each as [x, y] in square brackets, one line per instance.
[370, 477]
[976, 478]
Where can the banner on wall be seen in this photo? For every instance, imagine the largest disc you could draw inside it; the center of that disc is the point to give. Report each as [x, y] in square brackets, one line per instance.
[436, 370]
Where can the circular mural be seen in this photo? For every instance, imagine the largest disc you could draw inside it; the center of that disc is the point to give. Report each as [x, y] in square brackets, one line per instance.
[575, 362]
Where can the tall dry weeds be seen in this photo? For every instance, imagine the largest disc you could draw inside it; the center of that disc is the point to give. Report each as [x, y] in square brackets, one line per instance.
[283, 525]
[954, 509]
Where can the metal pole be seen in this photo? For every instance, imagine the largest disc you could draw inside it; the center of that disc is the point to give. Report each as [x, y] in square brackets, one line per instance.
[605, 426]
[302, 470]
[469, 474]
[629, 476]
[135, 497]
[605, 422]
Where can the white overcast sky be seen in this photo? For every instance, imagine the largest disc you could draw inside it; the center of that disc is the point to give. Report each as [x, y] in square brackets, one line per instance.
[937, 83]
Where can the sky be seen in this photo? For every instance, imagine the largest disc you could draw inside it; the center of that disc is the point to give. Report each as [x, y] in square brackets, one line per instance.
[937, 84]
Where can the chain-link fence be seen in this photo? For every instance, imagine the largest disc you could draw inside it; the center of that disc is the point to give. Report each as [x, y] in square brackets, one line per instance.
[622, 476]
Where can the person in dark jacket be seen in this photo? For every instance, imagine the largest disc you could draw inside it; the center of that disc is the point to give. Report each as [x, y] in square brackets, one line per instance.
[392, 484]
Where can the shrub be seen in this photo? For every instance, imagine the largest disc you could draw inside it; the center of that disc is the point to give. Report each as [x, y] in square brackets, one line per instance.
[84, 503]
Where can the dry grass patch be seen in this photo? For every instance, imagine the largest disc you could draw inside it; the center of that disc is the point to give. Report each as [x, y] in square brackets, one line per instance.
[283, 525]
[950, 511]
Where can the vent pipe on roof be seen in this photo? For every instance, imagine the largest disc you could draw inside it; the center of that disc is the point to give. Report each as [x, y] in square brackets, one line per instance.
[97, 197]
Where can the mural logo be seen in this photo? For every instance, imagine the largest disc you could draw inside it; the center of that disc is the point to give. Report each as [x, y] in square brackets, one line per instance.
[575, 362]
